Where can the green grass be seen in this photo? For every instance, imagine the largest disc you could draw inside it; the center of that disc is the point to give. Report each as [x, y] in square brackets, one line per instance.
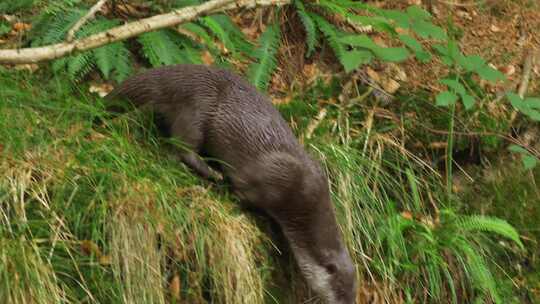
[94, 209]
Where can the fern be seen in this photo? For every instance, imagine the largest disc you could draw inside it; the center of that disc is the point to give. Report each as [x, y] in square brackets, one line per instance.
[79, 65]
[477, 269]
[113, 59]
[219, 32]
[237, 37]
[200, 32]
[189, 53]
[309, 26]
[60, 25]
[489, 224]
[259, 73]
[330, 33]
[159, 48]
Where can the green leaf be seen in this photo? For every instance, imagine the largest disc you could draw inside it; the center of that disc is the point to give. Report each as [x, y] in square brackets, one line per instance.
[427, 29]
[446, 98]
[454, 85]
[468, 101]
[533, 102]
[529, 161]
[490, 74]
[416, 12]
[517, 149]
[515, 100]
[394, 54]
[399, 17]
[353, 59]
[412, 43]
[471, 63]
[379, 23]
[387, 54]
[531, 109]
[4, 28]
[444, 54]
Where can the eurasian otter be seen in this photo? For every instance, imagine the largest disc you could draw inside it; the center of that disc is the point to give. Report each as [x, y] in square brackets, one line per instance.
[218, 114]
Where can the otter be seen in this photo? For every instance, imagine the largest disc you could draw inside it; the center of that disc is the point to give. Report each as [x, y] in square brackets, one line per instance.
[218, 114]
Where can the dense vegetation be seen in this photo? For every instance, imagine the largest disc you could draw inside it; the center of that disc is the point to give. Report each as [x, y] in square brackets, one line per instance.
[96, 208]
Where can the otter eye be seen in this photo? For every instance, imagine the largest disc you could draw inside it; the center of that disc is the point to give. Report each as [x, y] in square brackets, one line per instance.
[331, 268]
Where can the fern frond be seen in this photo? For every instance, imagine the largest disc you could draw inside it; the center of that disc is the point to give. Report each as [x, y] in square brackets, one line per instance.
[79, 65]
[331, 34]
[489, 224]
[477, 269]
[200, 32]
[159, 49]
[61, 23]
[113, 59]
[189, 53]
[219, 32]
[259, 72]
[241, 43]
[309, 26]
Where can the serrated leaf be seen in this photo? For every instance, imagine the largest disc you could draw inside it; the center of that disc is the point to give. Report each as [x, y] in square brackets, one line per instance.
[418, 49]
[394, 54]
[399, 17]
[416, 12]
[454, 85]
[517, 149]
[445, 98]
[387, 54]
[529, 161]
[471, 63]
[533, 114]
[490, 74]
[378, 23]
[468, 101]
[515, 100]
[353, 59]
[411, 42]
[533, 102]
[423, 56]
[427, 29]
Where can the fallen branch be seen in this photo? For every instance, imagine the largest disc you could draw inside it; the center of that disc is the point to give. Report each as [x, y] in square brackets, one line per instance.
[129, 30]
[90, 15]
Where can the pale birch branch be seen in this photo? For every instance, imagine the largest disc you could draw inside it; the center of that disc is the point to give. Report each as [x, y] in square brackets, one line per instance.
[128, 30]
[90, 15]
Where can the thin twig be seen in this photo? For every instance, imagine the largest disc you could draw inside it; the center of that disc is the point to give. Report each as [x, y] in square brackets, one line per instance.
[90, 15]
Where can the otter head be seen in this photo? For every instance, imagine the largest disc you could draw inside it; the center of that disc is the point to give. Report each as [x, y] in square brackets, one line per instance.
[318, 246]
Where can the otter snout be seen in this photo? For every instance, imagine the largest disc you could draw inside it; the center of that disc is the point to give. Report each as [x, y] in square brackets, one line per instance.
[333, 278]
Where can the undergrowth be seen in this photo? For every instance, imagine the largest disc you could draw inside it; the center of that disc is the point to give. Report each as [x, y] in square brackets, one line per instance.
[94, 209]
